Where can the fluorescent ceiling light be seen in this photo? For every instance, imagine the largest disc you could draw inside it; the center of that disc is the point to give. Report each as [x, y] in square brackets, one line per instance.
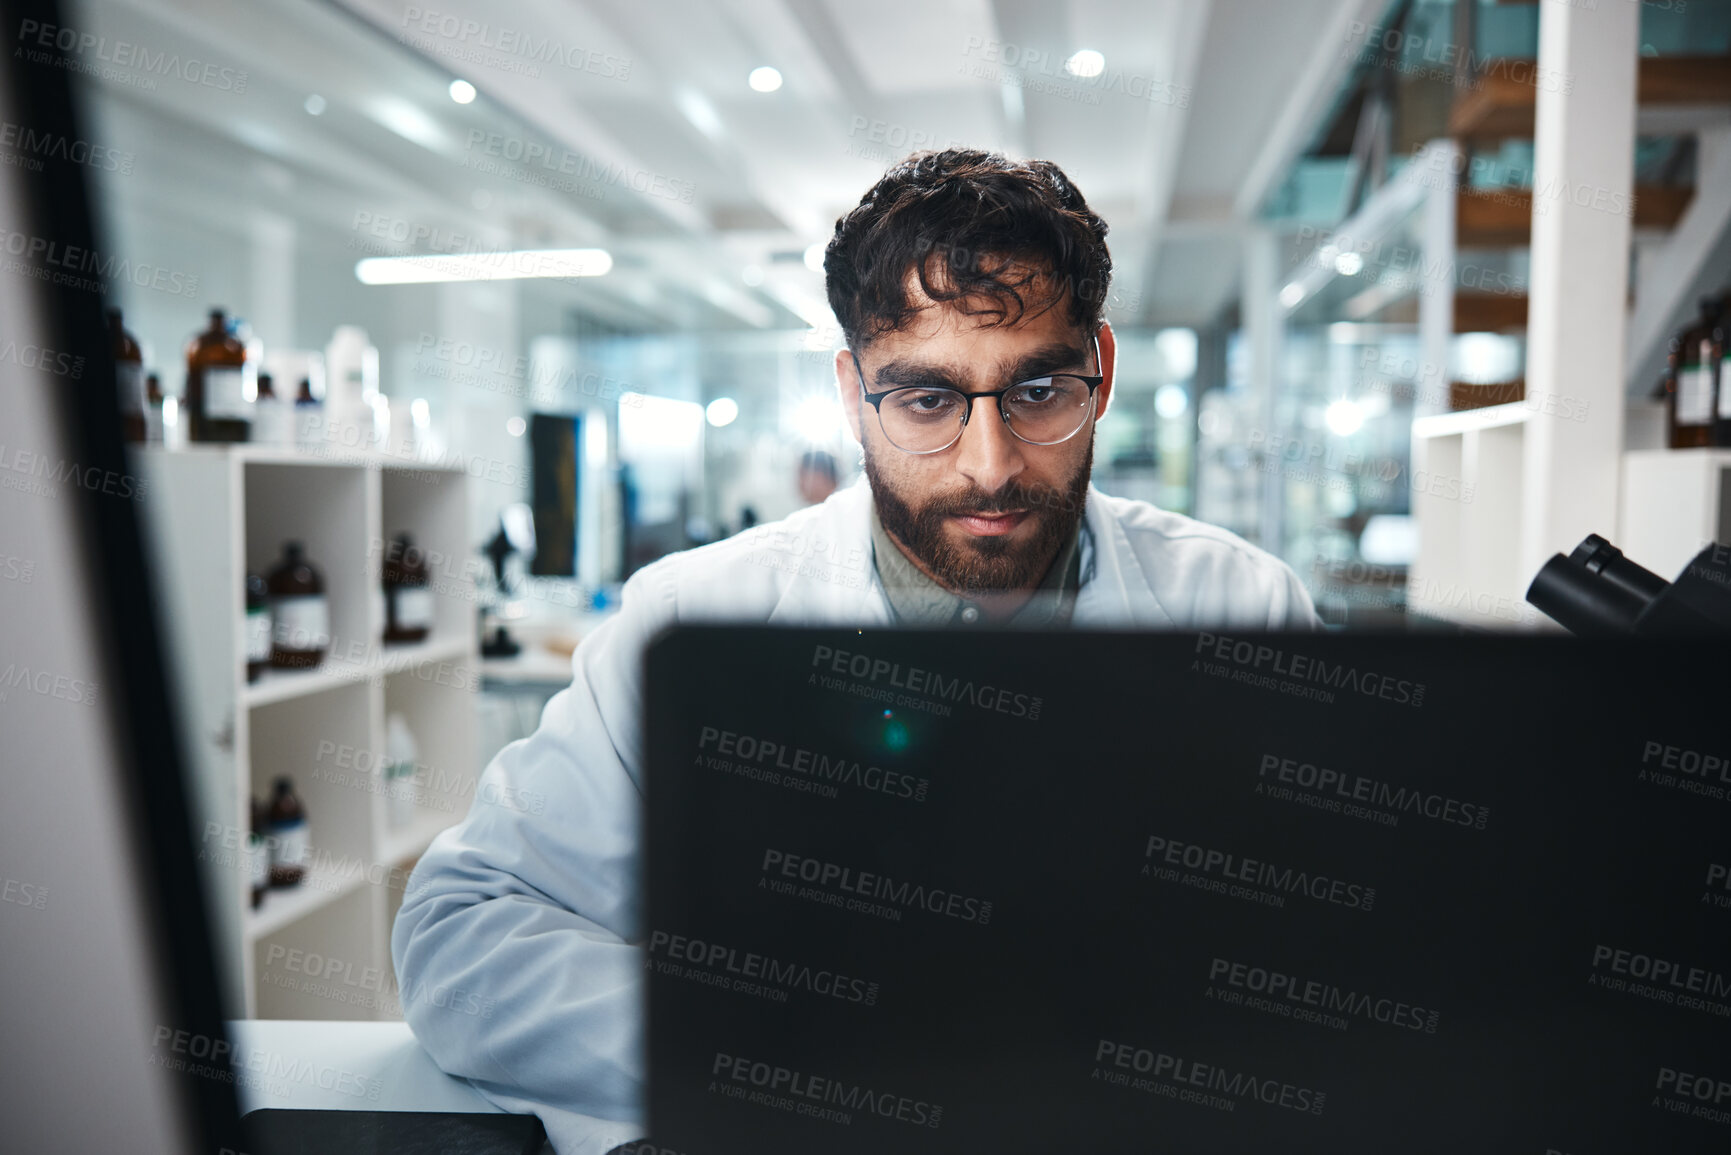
[1343, 418]
[408, 122]
[502, 266]
[699, 112]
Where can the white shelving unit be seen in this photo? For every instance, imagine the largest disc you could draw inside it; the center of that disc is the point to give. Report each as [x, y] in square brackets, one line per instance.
[319, 950]
[1675, 503]
[1467, 469]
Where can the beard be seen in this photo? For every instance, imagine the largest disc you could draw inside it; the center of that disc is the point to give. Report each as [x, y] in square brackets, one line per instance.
[980, 565]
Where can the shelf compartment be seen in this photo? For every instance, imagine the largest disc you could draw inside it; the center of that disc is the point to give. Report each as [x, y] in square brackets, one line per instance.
[326, 964]
[324, 743]
[432, 509]
[326, 509]
[286, 905]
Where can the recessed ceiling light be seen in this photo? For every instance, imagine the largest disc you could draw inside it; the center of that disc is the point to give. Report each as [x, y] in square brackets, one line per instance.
[1085, 63]
[462, 91]
[315, 105]
[722, 411]
[516, 426]
[814, 257]
[765, 79]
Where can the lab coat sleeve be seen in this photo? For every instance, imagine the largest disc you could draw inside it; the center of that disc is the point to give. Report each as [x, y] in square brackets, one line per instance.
[514, 945]
[1290, 607]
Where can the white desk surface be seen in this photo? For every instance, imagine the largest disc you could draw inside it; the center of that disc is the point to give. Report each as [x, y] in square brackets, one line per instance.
[535, 665]
[342, 1066]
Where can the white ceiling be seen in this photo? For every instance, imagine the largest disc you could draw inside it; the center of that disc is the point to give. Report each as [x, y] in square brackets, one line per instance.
[768, 173]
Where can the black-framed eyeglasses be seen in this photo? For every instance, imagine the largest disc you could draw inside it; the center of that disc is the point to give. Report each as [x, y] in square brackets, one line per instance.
[1044, 410]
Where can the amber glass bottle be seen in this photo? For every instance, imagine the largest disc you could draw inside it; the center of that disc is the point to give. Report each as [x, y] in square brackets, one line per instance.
[290, 845]
[300, 612]
[258, 846]
[217, 405]
[1722, 403]
[1690, 412]
[408, 594]
[128, 376]
[258, 632]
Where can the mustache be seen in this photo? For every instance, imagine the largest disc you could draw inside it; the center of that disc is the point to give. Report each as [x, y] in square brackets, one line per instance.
[1013, 498]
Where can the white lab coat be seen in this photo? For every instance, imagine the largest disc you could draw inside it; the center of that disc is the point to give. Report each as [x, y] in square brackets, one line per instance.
[513, 947]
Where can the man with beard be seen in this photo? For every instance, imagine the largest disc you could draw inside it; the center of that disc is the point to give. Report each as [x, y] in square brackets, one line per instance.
[970, 290]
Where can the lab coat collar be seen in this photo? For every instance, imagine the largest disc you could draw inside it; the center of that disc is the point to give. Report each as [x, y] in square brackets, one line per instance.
[844, 518]
[1115, 588]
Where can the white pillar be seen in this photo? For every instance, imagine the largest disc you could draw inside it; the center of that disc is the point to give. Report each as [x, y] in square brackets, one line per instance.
[1436, 302]
[1583, 196]
[1263, 326]
[272, 311]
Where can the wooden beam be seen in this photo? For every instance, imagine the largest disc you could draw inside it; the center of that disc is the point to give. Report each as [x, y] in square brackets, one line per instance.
[1502, 104]
[1502, 218]
[1490, 312]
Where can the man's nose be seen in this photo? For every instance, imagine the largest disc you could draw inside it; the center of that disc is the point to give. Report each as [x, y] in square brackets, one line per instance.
[988, 454]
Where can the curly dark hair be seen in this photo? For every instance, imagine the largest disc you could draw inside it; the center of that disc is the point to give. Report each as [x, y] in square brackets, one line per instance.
[986, 235]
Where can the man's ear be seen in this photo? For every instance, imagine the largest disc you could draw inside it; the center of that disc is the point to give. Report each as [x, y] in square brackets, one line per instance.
[847, 388]
[1108, 368]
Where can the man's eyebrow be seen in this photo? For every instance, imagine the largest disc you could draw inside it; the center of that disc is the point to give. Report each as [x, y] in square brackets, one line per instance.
[1050, 358]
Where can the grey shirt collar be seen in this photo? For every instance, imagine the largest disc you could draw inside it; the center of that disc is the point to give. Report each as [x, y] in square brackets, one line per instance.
[917, 600]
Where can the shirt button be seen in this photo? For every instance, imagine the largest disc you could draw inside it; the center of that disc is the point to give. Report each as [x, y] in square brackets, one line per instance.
[970, 614]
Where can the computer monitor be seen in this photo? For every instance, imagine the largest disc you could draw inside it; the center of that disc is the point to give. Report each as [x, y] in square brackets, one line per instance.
[112, 1026]
[1198, 892]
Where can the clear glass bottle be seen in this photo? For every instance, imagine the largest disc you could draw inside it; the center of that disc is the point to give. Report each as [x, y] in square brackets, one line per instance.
[153, 409]
[273, 419]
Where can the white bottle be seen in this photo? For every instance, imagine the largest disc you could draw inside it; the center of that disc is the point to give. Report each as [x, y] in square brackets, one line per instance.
[351, 383]
[272, 417]
[401, 754]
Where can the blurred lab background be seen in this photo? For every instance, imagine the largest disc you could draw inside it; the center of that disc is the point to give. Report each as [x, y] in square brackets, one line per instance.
[536, 290]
